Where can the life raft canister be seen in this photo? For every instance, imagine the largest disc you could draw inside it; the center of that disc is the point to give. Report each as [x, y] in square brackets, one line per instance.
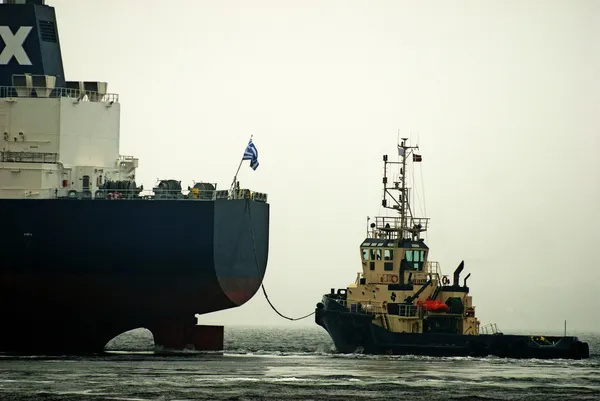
[434, 306]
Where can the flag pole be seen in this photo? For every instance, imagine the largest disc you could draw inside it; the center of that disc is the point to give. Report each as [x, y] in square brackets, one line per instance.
[232, 188]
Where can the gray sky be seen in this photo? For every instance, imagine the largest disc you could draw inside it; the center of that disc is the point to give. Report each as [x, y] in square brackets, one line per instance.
[503, 96]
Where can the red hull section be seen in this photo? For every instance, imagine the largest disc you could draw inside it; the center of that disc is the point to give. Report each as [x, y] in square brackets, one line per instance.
[179, 336]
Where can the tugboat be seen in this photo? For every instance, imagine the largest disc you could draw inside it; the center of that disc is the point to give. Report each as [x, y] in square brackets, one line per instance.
[402, 304]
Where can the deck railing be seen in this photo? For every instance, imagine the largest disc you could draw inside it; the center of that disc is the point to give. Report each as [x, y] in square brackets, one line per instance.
[28, 157]
[433, 269]
[48, 92]
[378, 308]
[491, 328]
[390, 227]
[129, 194]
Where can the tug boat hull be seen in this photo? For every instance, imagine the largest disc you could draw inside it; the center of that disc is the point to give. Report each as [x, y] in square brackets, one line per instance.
[356, 332]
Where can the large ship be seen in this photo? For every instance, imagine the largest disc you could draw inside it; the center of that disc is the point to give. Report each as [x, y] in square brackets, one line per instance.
[85, 253]
[401, 303]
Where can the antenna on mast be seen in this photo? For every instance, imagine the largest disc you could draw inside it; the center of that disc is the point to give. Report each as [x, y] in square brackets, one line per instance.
[405, 226]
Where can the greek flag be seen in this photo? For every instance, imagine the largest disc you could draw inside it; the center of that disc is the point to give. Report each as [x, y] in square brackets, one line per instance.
[251, 154]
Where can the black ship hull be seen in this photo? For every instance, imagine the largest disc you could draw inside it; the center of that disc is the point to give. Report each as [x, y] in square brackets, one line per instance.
[356, 332]
[76, 273]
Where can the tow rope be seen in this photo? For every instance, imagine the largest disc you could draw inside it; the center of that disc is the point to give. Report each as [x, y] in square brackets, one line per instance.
[259, 272]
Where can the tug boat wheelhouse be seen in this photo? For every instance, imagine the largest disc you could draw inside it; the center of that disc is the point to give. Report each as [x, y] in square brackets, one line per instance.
[401, 303]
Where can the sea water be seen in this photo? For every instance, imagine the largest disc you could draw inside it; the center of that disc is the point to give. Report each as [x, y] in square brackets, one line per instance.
[291, 364]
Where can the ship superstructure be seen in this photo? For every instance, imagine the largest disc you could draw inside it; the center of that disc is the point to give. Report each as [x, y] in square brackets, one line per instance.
[86, 253]
[402, 303]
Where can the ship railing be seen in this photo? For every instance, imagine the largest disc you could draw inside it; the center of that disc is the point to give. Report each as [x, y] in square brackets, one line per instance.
[387, 227]
[27, 157]
[433, 269]
[129, 162]
[407, 310]
[22, 193]
[343, 302]
[388, 223]
[378, 308]
[491, 328]
[57, 92]
[420, 223]
[116, 194]
[381, 308]
[390, 227]
[370, 308]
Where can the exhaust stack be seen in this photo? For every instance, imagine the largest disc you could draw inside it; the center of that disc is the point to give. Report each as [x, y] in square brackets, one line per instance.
[457, 273]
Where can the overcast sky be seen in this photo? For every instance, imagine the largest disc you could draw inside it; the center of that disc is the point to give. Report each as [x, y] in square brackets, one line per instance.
[503, 97]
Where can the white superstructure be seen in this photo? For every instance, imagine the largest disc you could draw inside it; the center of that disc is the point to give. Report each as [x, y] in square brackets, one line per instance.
[58, 142]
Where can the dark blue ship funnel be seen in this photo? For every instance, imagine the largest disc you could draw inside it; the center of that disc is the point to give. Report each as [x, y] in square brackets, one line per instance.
[29, 41]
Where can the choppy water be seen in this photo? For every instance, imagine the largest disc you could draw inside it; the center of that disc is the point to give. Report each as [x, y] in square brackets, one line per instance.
[292, 364]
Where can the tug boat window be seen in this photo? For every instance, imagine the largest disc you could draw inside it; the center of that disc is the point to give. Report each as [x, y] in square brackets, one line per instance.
[416, 258]
[375, 254]
[365, 254]
[388, 254]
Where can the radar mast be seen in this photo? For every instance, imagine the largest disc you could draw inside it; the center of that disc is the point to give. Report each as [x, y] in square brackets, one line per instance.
[406, 226]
